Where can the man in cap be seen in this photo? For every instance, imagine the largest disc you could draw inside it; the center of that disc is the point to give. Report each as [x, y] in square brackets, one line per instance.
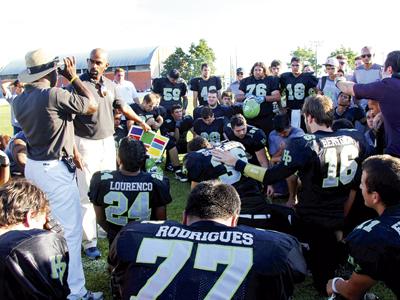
[45, 114]
[234, 87]
[326, 84]
[94, 139]
[172, 89]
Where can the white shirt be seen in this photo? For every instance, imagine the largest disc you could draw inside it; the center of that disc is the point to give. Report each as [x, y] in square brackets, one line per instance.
[126, 91]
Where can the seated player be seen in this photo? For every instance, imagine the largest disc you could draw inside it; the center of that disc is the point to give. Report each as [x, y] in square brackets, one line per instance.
[252, 138]
[120, 128]
[374, 246]
[176, 127]
[227, 100]
[220, 111]
[148, 111]
[206, 257]
[255, 210]
[209, 127]
[278, 139]
[129, 193]
[355, 114]
[16, 152]
[33, 260]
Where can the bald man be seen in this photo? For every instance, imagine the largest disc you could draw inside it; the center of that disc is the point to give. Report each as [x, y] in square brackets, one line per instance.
[95, 147]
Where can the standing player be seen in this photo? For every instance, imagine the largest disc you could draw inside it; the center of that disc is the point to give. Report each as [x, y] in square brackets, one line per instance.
[202, 85]
[297, 86]
[172, 89]
[374, 245]
[209, 127]
[128, 194]
[33, 261]
[206, 257]
[266, 88]
[327, 163]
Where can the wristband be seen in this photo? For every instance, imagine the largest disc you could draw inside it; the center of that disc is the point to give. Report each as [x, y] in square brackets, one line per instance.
[334, 283]
[73, 78]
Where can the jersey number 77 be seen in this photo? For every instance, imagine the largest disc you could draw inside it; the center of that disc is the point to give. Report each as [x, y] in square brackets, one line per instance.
[238, 261]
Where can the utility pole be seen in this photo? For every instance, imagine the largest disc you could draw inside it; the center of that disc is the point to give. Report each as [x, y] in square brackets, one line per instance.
[315, 45]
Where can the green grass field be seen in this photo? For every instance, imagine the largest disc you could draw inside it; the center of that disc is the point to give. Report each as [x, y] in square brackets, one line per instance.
[97, 277]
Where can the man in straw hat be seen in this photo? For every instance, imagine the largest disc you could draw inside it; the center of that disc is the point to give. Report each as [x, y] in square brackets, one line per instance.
[45, 113]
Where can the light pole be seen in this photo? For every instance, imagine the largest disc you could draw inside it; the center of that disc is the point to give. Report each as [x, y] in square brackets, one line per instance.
[316, 44]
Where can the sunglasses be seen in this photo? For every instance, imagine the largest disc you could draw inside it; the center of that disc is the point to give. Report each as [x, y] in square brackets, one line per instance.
[295, 65]
[366, 55]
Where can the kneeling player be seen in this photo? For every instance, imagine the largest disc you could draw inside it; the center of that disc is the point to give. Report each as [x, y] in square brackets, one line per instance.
[33, 261]
[208, 257]
[255, 210]
[129, 193]
[375, 244]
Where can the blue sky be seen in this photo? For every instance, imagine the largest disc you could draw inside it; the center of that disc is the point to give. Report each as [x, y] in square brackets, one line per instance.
[246, 31]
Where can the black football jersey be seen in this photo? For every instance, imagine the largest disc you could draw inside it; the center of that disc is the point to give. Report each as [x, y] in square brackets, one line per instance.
[200, 166]
[219, 111]
[206, 260]
[260, 87]
[202, 87]
[144, 115]
[352, 114]
[329, 165]
[33, 265]
[127, 198]
[170, 93]
[214, 133]
[374, 248]
[254, 141]
[298, 88]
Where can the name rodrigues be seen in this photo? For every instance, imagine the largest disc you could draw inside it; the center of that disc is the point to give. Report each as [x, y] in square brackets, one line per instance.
[131, 186]
[232, 237]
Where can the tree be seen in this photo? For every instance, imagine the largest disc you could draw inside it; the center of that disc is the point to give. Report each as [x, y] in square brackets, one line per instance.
[189, 64]
[348, 52]
[306, 54]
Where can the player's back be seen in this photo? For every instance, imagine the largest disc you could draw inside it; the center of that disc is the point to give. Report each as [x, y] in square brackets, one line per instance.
[127, 197]
[33, 265]
[205, 260]
[374, 248]
[329, 166]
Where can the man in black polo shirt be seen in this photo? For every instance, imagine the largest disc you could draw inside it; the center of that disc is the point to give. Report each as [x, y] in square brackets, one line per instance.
[45, 114]
[94, 139]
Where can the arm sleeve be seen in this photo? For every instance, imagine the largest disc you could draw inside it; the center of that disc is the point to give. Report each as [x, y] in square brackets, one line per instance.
[194, 84]
[292, 159]
[374, 90]
[156, 88]
[162, 194]
[218, 84]
[69, 101]
[94, 189]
